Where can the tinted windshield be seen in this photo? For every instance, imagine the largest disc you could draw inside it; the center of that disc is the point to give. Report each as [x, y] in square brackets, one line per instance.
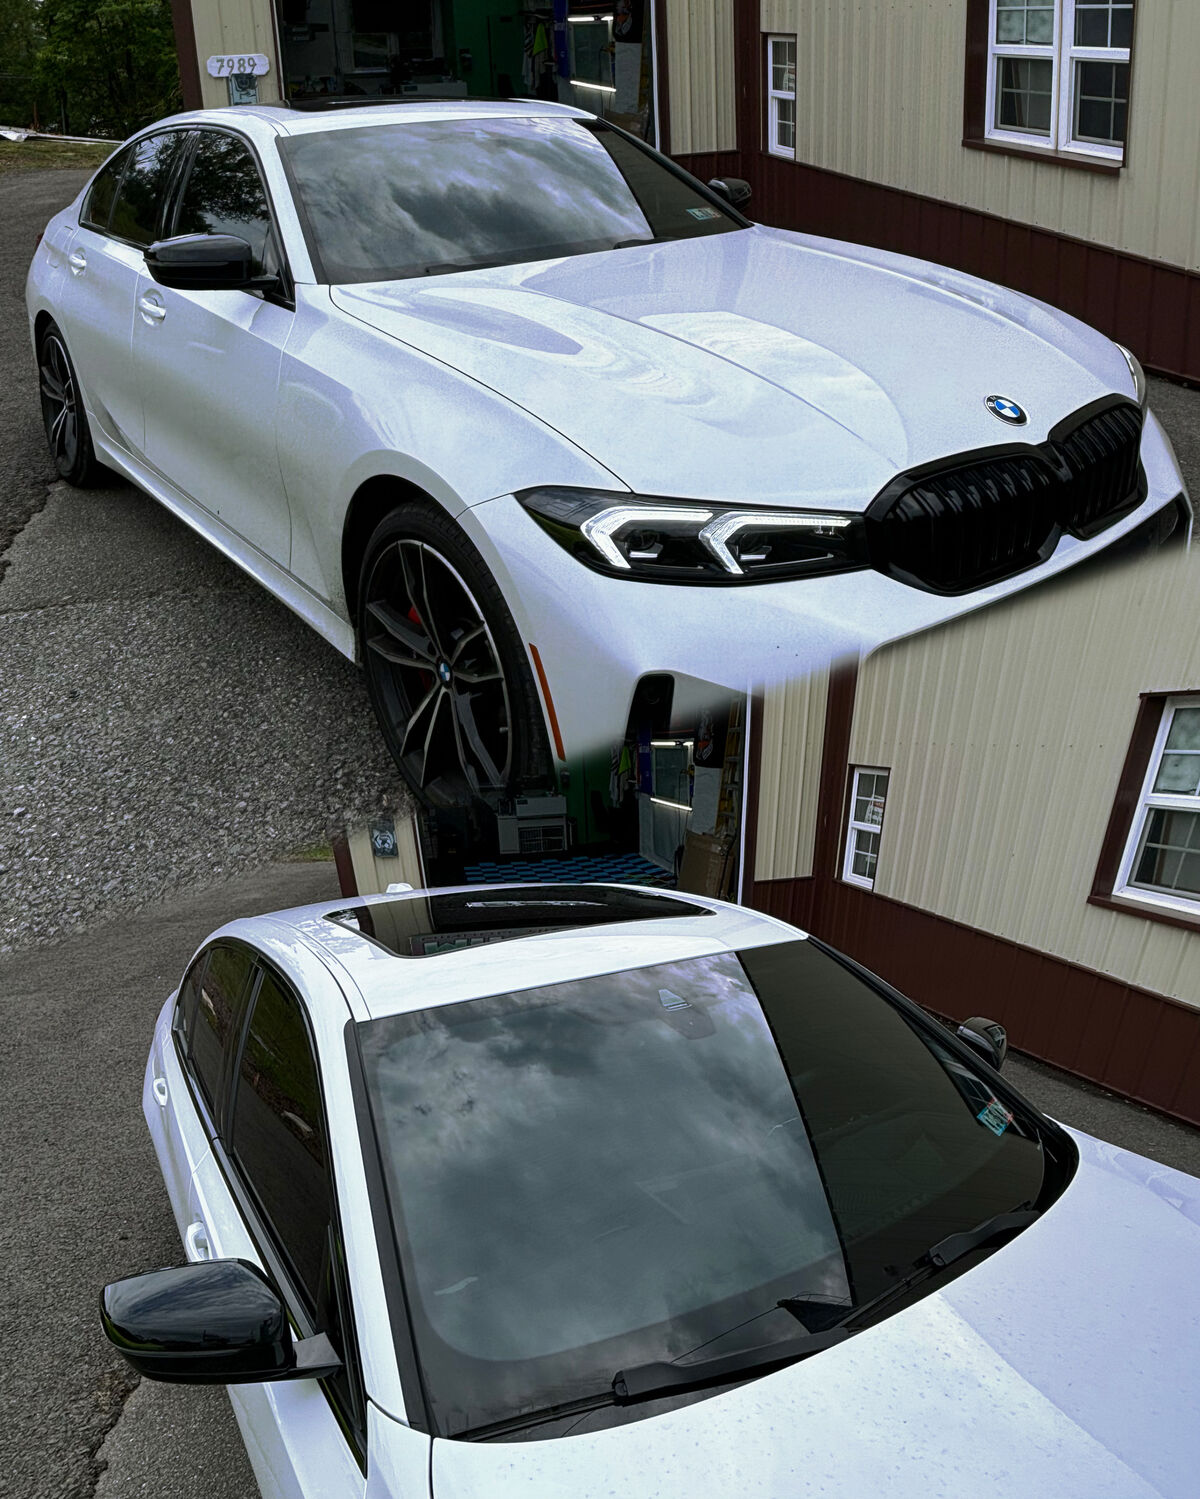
[594, 1175]
[390, 201]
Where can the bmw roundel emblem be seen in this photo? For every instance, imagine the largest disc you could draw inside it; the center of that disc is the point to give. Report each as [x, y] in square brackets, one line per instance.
[1008, 411]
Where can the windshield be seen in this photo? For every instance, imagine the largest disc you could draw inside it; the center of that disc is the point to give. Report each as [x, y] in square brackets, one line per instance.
[383, 202]
[594, 1175]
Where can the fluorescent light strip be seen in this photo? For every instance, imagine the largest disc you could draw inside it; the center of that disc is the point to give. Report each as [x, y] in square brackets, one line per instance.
[671, 743]
[663, 802]
[601, 88]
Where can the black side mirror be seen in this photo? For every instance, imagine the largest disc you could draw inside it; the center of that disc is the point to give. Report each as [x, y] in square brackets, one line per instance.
[214, 1322]
[205, 262]
[735, 190]
[986, 1037]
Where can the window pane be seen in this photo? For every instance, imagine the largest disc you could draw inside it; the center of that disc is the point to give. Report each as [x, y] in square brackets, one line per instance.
[224, 195]
[100, 199]
[783, 67]
[1024, 94]
[188, 1002]
[1103, 23]
[1100, 91]
[785, 124]
[277, 1132]
[1179, 774]
[139, 202]
[1026, 22]
[1169, 858]
[1184, 733]
[220, 993]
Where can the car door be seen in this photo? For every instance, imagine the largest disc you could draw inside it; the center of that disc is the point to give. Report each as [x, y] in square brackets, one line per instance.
[208, 361]
[266, 1194]
[121, 215]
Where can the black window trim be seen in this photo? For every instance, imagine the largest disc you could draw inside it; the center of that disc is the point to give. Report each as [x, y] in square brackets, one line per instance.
[130, 149]
[123, 153]
[257, 1223]
[286, 296]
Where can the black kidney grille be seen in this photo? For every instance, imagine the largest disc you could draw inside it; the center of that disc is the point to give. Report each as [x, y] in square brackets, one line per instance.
[1101, 456]
[983, 519]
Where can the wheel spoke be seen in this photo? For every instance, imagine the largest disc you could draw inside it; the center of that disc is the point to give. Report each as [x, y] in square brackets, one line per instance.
[465, 640]
[444, 697]
[464, 715]
[57, 429]
[405, 633]
[478, 678]
[52, 387]
[416, 715]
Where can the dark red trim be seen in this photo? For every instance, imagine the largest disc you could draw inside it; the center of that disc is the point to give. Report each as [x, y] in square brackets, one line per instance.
[975, 79]
[344, 865]
[189, 60]
[1120, 822]
[1074, 159]
[662, 83]
[1143, 1045]
[753, 770]
[835, 769]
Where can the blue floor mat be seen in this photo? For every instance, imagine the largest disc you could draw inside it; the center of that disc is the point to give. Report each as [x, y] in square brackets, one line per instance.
[613, 869]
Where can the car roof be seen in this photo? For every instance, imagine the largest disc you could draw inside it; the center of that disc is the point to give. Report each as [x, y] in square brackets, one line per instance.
[458, 955]
[266, 120]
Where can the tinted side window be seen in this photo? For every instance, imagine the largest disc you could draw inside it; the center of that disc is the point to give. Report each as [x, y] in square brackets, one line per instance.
[278, 1137]
[221, 990]
[98, 204]
[224, 195]
[138, 209]
[188, 1002]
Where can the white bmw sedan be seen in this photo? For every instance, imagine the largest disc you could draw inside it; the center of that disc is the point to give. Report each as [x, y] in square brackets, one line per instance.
[513, 410]
[531, 1192]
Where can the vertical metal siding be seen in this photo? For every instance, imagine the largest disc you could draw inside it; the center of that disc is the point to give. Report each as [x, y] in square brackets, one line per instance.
[700, 76]
[789, 778]
[879, 98]
[235, 26]
[372, 875]
[1006, 733]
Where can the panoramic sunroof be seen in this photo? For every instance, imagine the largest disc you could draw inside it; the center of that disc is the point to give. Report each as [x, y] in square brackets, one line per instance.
[423, 926]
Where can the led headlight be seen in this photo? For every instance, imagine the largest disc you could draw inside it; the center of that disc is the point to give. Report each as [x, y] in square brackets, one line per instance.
[1138, 373]
[685, 541]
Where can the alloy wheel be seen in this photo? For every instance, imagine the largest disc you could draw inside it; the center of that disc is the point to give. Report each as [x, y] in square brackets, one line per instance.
[437, 672]
[60, 403]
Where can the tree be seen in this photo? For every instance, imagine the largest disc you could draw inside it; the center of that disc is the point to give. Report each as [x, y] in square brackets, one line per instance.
[111, 64]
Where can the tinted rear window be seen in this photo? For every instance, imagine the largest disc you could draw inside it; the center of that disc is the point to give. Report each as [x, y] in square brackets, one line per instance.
[390, 201]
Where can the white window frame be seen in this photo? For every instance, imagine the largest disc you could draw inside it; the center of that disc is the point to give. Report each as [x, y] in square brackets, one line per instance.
[1063, 55]
[1149, 801]
[775, 96]
[853, 826]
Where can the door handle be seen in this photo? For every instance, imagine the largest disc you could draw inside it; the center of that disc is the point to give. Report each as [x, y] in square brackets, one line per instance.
[195, 1241]
[151, 308]
[77, 260]
[159, 1088]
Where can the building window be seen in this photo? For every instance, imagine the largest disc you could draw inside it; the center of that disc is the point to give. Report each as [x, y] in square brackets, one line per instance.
[1161, 859]
[1057, 75]
[781, 96]
[867, 796]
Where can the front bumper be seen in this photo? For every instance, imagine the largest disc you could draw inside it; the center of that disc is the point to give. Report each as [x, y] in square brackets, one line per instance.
[597, 636]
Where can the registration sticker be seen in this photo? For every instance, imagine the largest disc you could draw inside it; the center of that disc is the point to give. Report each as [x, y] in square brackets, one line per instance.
[705, 213]
[994, 1116]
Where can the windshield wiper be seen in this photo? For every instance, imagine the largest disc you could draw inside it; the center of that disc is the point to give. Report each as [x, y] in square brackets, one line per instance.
[655, 239]
[648, 1381]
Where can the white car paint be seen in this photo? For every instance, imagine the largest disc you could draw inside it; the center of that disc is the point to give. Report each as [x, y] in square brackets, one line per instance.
[1061, 1367]
[762, 366]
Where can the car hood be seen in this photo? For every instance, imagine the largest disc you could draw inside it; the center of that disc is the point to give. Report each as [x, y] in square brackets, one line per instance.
[760, 365]
[1064, 1366]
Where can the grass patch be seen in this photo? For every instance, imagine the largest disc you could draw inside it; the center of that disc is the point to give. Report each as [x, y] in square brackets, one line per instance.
[310, 853]
[33, 156]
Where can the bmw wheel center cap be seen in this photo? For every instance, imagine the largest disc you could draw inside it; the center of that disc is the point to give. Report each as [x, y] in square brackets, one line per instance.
[1007, 411]
[444, 672]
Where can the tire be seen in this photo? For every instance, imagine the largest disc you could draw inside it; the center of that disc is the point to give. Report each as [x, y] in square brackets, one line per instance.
[447, 671]
[63, 416]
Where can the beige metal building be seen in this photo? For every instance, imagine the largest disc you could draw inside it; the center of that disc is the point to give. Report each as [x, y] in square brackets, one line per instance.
[1002, 816]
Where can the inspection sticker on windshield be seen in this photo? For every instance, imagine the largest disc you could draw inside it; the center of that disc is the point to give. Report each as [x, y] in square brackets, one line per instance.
[995, 1116]
[705, 213]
